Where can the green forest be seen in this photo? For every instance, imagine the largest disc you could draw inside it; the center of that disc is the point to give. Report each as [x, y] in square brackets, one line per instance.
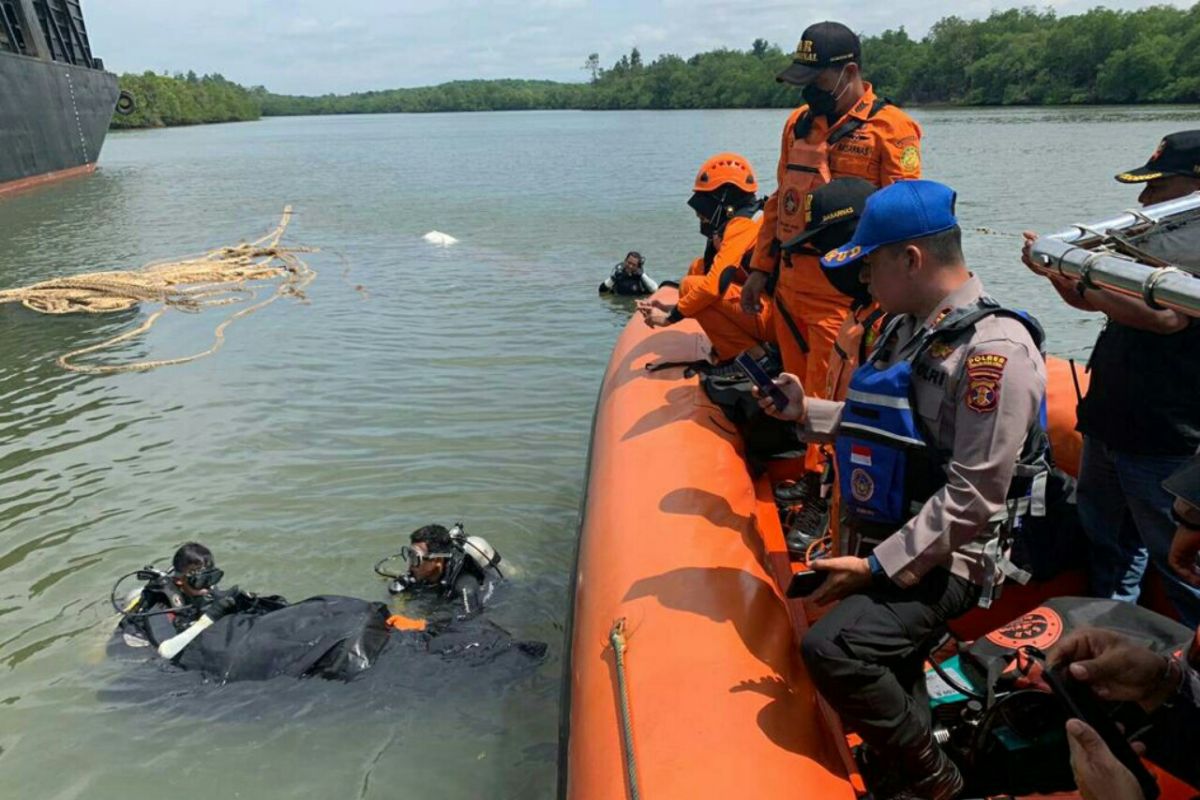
[188, 99]
[1015, 57]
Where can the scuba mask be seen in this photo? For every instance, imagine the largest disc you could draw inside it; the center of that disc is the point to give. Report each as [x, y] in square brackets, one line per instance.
[203, 578]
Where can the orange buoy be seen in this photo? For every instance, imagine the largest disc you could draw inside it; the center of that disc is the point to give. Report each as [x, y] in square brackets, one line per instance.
[672, 541]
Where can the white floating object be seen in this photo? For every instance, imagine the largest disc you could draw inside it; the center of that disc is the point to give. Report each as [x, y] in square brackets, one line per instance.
[440, 239]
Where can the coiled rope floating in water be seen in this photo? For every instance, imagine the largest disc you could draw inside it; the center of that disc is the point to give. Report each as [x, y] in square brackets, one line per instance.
[219, 277]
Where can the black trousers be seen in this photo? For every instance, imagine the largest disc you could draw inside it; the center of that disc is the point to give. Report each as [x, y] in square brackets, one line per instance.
[867, 655]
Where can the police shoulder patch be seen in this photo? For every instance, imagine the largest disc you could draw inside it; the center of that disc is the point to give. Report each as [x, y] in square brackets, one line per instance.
[984, 371]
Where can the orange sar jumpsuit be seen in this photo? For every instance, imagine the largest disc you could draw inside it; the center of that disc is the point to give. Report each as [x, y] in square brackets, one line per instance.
[711, 293]
[875, 141]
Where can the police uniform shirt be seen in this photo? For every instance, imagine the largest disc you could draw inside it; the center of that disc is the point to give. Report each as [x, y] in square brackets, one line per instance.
[977, 397]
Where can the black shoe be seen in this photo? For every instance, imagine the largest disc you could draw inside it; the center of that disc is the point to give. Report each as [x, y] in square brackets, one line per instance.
[810, 524]
[934, 775]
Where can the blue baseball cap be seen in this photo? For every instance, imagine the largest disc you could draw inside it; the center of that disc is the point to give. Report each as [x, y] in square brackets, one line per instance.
[898, 213]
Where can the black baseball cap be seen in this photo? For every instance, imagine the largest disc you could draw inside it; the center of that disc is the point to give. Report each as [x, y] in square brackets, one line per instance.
[823, 45]
[1177, 154]
[840, 200]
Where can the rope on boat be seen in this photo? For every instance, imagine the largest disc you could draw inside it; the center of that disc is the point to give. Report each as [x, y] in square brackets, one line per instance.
[619, 644]
[219, 277]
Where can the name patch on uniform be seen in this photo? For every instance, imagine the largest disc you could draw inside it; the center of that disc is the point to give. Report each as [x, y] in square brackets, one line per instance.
[983, 381]
[860, 454]
[862, 485]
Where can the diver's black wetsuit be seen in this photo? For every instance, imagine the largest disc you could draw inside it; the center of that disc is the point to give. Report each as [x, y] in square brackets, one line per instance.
[149, 625]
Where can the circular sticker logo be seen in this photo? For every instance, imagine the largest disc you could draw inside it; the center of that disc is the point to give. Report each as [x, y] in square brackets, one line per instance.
[791, 202]
[1040, 628]
[862, 485]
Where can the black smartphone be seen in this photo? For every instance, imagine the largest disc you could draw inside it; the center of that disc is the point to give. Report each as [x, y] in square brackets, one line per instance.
[1079, 701]
[762, 380]
[805, 582]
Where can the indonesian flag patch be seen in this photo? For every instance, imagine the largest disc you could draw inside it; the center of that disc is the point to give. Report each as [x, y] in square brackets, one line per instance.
[983, 381]
[860, 454]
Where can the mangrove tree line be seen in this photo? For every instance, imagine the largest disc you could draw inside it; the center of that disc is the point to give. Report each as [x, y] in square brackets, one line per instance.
[1019, 56]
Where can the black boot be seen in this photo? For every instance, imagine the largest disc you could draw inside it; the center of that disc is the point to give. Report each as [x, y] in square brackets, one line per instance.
[932, 775]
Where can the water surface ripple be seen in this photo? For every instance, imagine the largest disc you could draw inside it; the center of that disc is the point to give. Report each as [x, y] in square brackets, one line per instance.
[415, 384]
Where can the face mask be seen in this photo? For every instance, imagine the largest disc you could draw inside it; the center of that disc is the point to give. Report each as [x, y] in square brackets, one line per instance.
[706, 227]
[822, 101]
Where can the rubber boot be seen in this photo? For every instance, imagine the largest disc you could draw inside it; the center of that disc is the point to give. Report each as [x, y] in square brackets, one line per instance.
[934, 776]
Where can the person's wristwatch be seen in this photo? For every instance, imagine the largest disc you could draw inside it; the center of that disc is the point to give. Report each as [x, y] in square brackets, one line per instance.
[878, 576]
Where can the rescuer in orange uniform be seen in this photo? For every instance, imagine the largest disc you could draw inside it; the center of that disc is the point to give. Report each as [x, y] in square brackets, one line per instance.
[843, 130]
[723, 197]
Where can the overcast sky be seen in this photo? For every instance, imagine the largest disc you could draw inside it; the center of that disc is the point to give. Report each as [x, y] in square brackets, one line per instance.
[318, 46]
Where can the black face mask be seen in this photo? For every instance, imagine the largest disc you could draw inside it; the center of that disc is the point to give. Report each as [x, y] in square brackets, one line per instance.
[820, 101]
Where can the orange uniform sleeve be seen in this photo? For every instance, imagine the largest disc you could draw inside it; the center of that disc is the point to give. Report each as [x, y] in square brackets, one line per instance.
[741, 234]
[899, 147]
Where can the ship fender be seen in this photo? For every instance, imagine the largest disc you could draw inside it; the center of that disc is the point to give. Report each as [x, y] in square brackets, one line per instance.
[126, 104]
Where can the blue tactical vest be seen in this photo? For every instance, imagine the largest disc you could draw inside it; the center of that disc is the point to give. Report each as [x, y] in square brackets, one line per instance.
[887, 465]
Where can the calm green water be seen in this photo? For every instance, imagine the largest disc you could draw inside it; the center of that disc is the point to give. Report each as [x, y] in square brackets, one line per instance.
[418, 384]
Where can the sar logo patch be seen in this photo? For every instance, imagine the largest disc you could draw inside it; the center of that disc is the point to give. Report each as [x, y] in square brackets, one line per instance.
[910, 159]
[791, 202]
[1040, 628]
[862, 485]
[983, 381]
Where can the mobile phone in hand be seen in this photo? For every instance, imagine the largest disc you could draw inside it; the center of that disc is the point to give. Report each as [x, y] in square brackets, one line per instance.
[805, 582]
[762, 380]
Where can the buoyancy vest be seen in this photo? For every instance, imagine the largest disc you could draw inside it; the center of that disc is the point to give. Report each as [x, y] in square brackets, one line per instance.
[887, 465]
[808, 169]
[627, 284]
[854, 341]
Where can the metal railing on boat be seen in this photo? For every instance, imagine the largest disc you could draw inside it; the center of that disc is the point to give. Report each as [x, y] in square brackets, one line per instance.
[1103, 254]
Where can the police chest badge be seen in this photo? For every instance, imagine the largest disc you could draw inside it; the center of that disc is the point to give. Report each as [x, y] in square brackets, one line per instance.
[939, 350]
[983, 381]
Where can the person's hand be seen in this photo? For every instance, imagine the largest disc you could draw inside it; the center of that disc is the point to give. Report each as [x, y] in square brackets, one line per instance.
[1182, 558]
[220, 607]
[1098, 773]
[752, 292]
[655, 317]
[791, 387]
[847, 575]
[1027, 253]
[1115, 667]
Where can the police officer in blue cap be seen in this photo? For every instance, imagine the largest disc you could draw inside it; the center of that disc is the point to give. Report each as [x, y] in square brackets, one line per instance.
[927, 444]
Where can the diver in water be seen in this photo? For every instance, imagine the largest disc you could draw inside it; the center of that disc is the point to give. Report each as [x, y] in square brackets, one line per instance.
[629, 277]
[172, 602]
[448, 564]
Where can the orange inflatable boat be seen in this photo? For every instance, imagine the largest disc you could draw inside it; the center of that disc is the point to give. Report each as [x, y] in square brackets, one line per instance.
[683, 678]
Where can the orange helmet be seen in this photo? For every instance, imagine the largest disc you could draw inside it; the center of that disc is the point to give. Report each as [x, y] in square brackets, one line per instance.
[726, 168]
